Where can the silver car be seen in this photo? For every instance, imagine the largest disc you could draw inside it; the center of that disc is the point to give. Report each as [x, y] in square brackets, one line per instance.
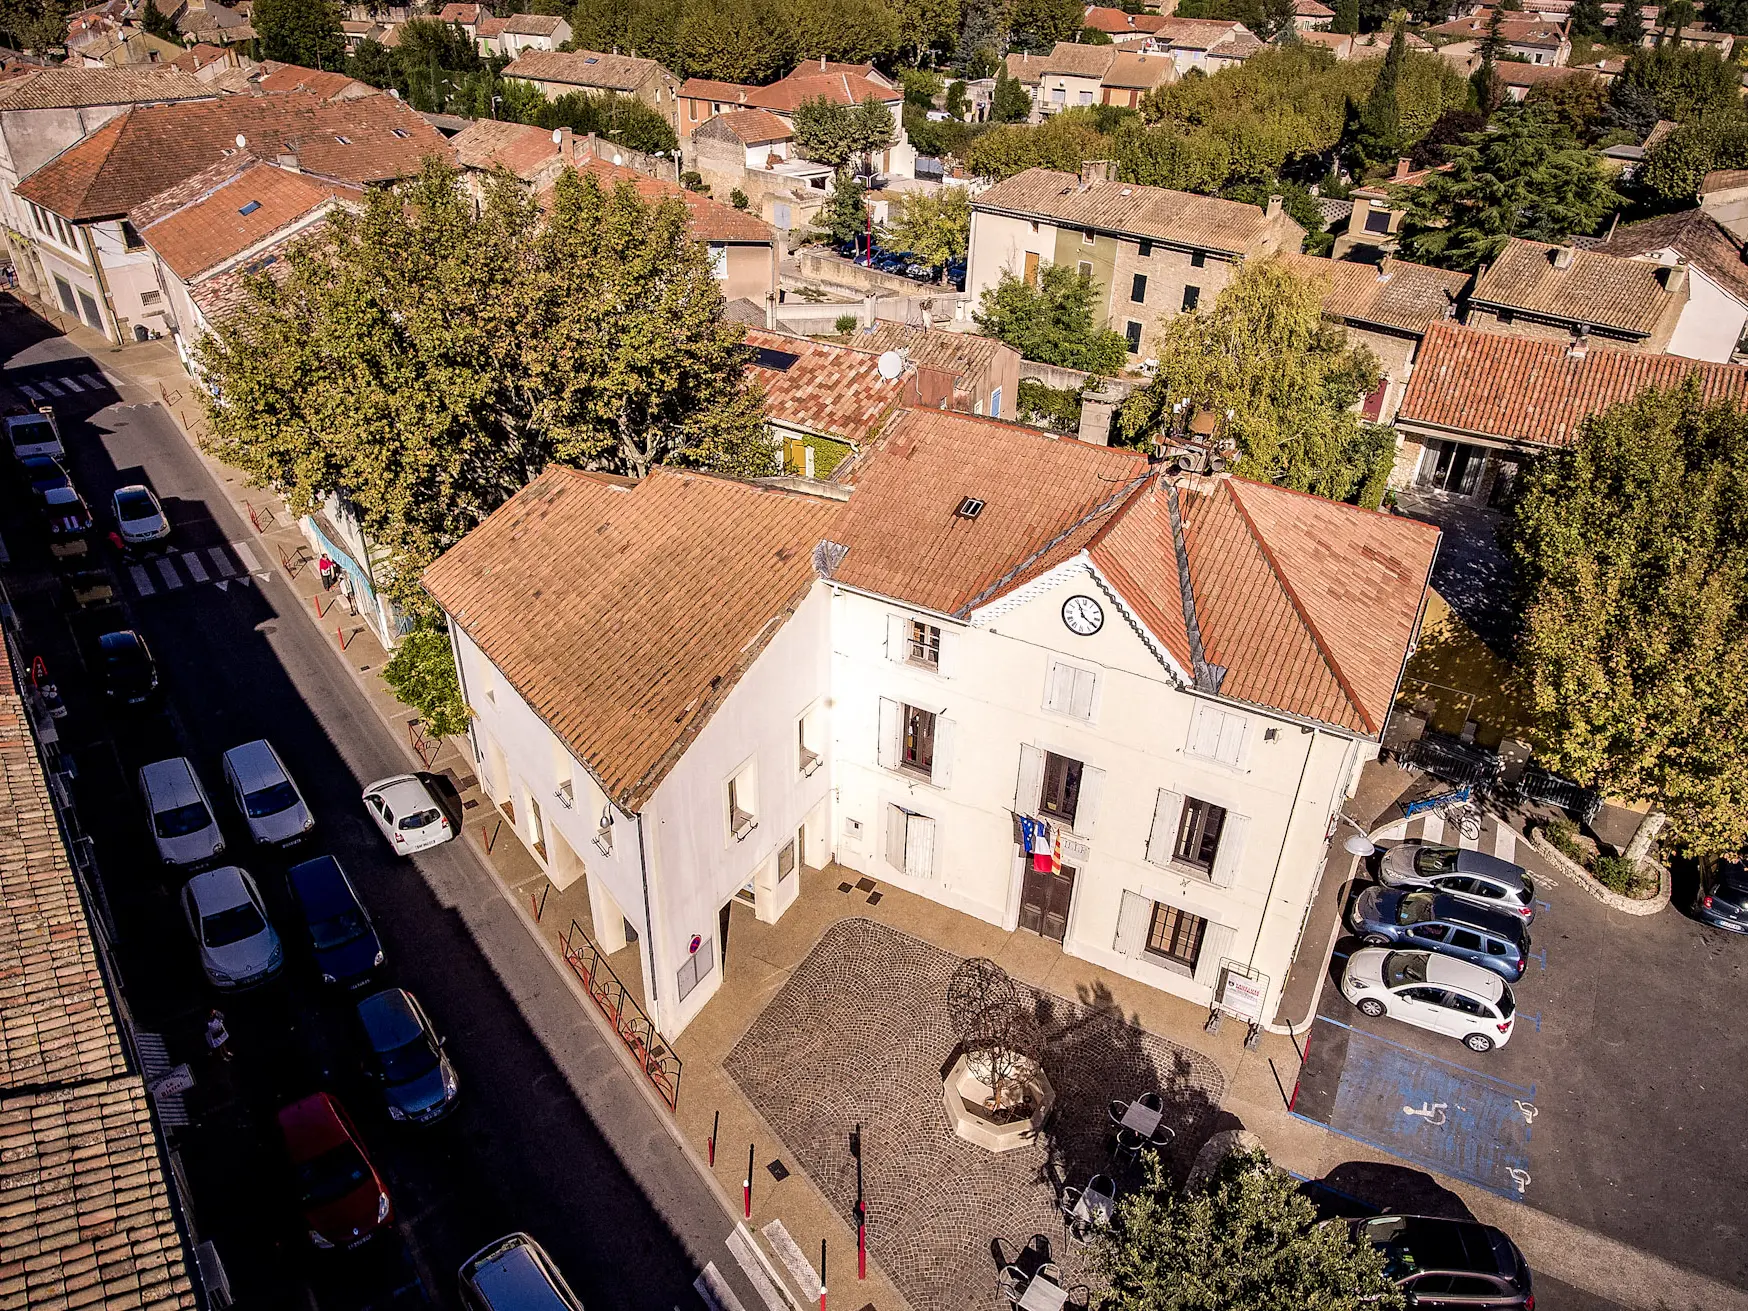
[183, 825]
[225, 913]
[1471, 876]
[272, 806]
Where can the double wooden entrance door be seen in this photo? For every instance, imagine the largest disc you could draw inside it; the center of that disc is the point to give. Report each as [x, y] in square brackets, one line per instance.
[1044, 901]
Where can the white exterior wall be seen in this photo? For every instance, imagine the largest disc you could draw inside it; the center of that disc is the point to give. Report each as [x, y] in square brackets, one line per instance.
[999, 244]
[1071, 90]
[1711, 322]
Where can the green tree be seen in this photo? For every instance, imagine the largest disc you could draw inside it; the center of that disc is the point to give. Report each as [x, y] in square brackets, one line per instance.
[830, 133]
[1674, 17]
[1092, 36]
[925, 26]
[624, 119]
[1053, 320]
[1245, 1238]
[1687, 84]
[36, 25]
[303, 32]
[421, 674]
[1633, 551]
[1675, 166]
[1587, 19]
[958, 103]
[1377, 138]
[1523, 178]
[921, 86]
[1728, 15]
[1576, 104]
[1010, 102]
[935, 226]
[1489, 90]
[843, 217]
[1037, 25]
[1062, 141]
[373, 62]
[159, 24]
[1285, 378]
[734, 40]
[1629, 25]
[983, 35]
[851, 31]
[1347, 17]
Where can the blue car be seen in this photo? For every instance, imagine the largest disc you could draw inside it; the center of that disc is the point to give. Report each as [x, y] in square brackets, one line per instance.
[406, 1057]
[1435, 921]
[340, 933]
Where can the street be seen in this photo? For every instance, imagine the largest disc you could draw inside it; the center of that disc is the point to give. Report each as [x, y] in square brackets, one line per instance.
[552, 1136]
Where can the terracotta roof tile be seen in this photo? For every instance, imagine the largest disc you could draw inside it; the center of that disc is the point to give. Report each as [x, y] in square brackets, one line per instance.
[486, 143]
[702, 88]
[1602, 291]
[466, 15]
[753, 126]
[1071, 59]
[1695, 236]
[1116, 22]
[1336, 41]
[839, 88]
[198, 57]
[825, 388]
[1515, 73]
[1513, 31]
[1178, 217]
[961, 354]
[1723, 179]
[1311, 9]
[489, 27]
[698, 573]
[532, 24]
[1139, 71]
[1394, 294]
[1528, 389]
[242, 207]
[1027, 68]
[68, 87]
[1197, 33]
[711, 220]
[585, 68]
[321, 85]
[224, 293]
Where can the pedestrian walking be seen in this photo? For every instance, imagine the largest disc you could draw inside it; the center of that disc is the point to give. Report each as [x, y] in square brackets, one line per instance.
[325, 570]
[116, 541]
[218, 1038]
[350, 593]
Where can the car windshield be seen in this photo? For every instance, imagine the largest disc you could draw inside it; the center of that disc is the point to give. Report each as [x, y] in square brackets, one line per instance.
[1527, 893]
[337, 931]
[181, 821]
[134, 505]
[60, 496]
[405, 1063]
[332, 1175]
[1435, 860]
[233, 925]
[419, 819]
[1414, 908]
[1404, 967]
[270, 800]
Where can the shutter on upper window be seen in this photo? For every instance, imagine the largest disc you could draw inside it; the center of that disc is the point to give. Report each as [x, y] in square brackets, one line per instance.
[919, 847]
[897, 638]
[895, 836]
[1086, 808]
[1031, 781]
[1080, 702]
[1216, 946]
[941, 771]
[1234, 732]
[1168, 810]
[947, 664]
[1230, 851]
[1133, 919]
[1205, 731]
[1059, 687]
[891, 729]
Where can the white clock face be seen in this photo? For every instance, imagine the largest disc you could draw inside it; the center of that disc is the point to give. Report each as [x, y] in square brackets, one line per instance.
[1083, 615]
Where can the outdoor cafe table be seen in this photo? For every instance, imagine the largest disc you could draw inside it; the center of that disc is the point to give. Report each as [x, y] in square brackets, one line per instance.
[1095, 1208]
[1141, 1120]
[1043, 1295]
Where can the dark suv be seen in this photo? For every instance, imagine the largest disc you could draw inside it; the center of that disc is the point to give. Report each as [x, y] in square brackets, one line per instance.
[1723, 896]
[1450, 1263]
[1435, 921]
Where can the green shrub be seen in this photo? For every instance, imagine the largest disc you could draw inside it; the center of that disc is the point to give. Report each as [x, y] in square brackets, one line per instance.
[1617, 873]
[739, 198]
[1562, 835]
[846, 324]
[1056, 407]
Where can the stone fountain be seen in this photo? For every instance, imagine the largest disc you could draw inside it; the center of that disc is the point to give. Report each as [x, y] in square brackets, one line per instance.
[995, 1092]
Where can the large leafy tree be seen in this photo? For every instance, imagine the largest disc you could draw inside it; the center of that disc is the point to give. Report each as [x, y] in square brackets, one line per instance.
[734, 40]
[842, 217]
[36, 25]
[1687, 84]
[1285, 378]
[831, 133]
[1040, 24]
[1633, 548]
[935, 226]
[1245, 1240]
[853, 31]
[1052, 320]
[1523, 178]
[425, 362]
[1586, 19]
[1629, 25]
[303, 32]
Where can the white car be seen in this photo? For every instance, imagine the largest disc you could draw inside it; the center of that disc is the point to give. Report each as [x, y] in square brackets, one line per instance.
[35, 434]
[408, 815]
[138, 515]
[271, 805]
[183, 824]
[238, 947]
[1440, 993]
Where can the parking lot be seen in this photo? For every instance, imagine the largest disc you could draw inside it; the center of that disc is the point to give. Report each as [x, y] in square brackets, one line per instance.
[1616, 1104]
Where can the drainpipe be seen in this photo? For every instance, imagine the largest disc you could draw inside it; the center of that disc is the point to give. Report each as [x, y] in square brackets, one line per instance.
[102, 283]
[655, 1015]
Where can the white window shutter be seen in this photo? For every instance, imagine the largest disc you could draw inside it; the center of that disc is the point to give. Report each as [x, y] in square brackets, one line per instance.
[1133, 919]
[947, 664]
[1031, 781]
[1205, 731]
[1080, 702]
[1168, 813]
[1086, 809]
[897, 638]
[1059, 687]
[1230, 851]
[1234, 732]
[941, 771]
[895, 836]
[919, 847]
[891, 730]
[1216, 947]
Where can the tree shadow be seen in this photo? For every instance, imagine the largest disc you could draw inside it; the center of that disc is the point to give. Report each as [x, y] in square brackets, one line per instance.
[1358, 1188]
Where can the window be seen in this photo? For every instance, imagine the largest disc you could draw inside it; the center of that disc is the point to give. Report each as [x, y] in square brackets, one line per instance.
[1087, 237]
[345, 141]
[1454, 467]
[910, 842]
[697, 967]
[1378, 220]
[1059, 95]
[1192, 298]
[66, 231]
[130, 236]
[808, 757]
[1146, 248]
[1086, 269]
[402, 133]
[1198, 833]
[742, 804]
[1217, 734]
[1198, 259]
[1132, 334]
[65, 291]
[151, 297]
[1176, 935]
[1138, 289]
[1060, 798]
[88, 309]
[1086, 97]
[1069, 690]
[719, 261]
[995, 403]
[925, 643]
[916, 749]
[1466, 939]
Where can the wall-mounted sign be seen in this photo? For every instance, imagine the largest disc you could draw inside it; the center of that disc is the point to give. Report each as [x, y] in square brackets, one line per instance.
[697, 942]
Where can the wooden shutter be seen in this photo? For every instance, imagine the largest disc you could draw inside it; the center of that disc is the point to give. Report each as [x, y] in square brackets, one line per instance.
[1030, 786]
[947, 664]
[896, 823]
[1031, 268]
[1059, 687]
[891, 730]
[1230, 851]
[1216, 946]
[919, 846]
[1168, 810]
[1205, 731]
[1234, 731]
[1080, 700]
[1086, 810]
[1133, 919]
[897, 638]
[941, 769]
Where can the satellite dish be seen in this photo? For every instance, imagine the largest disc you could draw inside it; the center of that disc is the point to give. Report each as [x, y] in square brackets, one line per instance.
[891, 364]
[1358, 844]
[242, 142]
[617, 161]
[558, 136]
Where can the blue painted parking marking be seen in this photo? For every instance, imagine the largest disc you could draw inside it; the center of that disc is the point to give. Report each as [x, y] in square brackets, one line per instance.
[1541, 956]
[1535, 1019]
[1544, 905]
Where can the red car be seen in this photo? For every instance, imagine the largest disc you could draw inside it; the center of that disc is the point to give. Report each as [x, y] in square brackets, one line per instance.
[343, 1198]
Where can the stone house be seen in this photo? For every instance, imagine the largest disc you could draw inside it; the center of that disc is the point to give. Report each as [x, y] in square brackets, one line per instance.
[559, 72]
[1564, 293]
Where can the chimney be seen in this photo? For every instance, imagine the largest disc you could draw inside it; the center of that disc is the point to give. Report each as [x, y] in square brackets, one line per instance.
[288, 162]
[1563, 257]
[822, 63]
[1274, 207]
[566, 147]
[1402, 168]
[1580, 346]
[1097, 170]
[1675, 279]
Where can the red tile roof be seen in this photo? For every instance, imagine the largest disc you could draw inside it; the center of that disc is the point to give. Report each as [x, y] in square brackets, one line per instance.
[1116, 22]
[1536, 391]
[711, 220]
[198, 57]
[486, 144]
[753, 126]
[828, 389]
[466, 15]
[321, 85]
[68, 87]
[702, 88]
[585, 68]
[211, 225]
[1596, 290]
[1513, 31]
[839, 88]
[697, 572]
[221, 294]
[532, 24]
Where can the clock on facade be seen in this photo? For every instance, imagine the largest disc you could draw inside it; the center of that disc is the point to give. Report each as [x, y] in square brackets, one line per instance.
[1083, 615]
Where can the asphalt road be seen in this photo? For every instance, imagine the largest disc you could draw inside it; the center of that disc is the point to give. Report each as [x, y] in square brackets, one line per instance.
[551, 1135]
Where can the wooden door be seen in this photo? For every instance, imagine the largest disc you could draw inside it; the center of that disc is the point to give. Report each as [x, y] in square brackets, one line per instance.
[1044, 902]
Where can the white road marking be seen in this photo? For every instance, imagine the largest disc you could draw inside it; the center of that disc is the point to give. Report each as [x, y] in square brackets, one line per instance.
[246, 556]
[69, 384]
[790, 1254]
[31, 392]
[96, 381]
[191, 562]
[741, 1244]
[717, 1295]
[1468, 843]
[167, 571]
[1505, 842]
[221, 561]
[1433, 830]
[49, 387]
[142, 580]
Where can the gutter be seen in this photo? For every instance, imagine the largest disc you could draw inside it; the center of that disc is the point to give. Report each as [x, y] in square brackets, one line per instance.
[649, 927]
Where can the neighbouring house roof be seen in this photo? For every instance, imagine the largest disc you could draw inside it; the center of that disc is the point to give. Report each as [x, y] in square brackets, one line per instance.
[1513, 31]
[1369, 44]
[822, 387]
[68, 87]
[1116, 22]
[1393, 294]
[1311, 9]
[1071, 59]
[1719, 179]
[220, 294]
[801, 86]
[709, 220]
[198, 57]
[961, 354]
[1339, 42]
[1537, 391]
[489, 27]
[532, 25]
[202, 223]
[587, 68]
[701, 88]
[486, 144]
[149, 148]
[322, 85]
[1595, 290]
[1694, 236]
[1197, 33]
[1027, 68]
[1177, 217]
[697, 572]
[1513, 73]
[466, 15]
[752, 127]
[1142, 72]
[1403, 177]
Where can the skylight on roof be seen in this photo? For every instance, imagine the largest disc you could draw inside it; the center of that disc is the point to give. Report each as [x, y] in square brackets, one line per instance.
[776, 361]
[402, 133]
[969, 508]
[250, 208]
[345, 141]
[591, 60]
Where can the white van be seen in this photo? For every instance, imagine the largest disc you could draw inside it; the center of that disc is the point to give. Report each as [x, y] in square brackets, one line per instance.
[184, 826]
[35, 434]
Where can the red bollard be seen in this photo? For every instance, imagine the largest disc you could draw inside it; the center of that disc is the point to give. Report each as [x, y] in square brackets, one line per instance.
[822, 1274]
[861, 1242]
[715, 1124]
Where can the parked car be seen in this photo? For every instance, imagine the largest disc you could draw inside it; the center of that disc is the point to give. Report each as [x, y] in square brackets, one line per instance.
[1433, 992]
[139, 518]
[406, 812]
[183, 825]
[225, 913]
[514, 1274]
[271, 805]
[1467, 875]
[34, 434]
[43, 473]
[1450, 1263]
[344, 1201]
[1723, 895]
[406, 1057]
[339, 929]
[126, 670]
[1490, 938]
[67, 515]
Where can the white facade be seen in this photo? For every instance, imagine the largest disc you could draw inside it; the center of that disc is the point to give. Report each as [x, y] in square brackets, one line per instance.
[1001, 244]
[1712, 321]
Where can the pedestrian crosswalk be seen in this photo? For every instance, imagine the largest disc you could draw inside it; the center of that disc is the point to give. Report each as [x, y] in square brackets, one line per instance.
[40, 390]
[232, 562]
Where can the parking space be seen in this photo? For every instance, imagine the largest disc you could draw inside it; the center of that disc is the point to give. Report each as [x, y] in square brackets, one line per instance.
[1616, 1103]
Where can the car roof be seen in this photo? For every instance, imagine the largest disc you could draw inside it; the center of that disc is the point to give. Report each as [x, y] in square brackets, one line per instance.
[512, 1275]
[1454, 910]
[254, 764]
[20, 420]
[1494, 867]
[126, 639]
[320, 886]
[312, 1126]
[1440, 1244]
[403, 788]
[218, 889]
[135, 488]
[169, 780]
[389, 1018]
[65, 494]
[1450, 972]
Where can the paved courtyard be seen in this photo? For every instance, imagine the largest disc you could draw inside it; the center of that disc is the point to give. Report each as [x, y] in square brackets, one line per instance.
[860, 1034]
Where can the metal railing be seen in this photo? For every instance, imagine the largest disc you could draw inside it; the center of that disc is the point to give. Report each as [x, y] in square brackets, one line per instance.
[1455, 761]
[660, 1066]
